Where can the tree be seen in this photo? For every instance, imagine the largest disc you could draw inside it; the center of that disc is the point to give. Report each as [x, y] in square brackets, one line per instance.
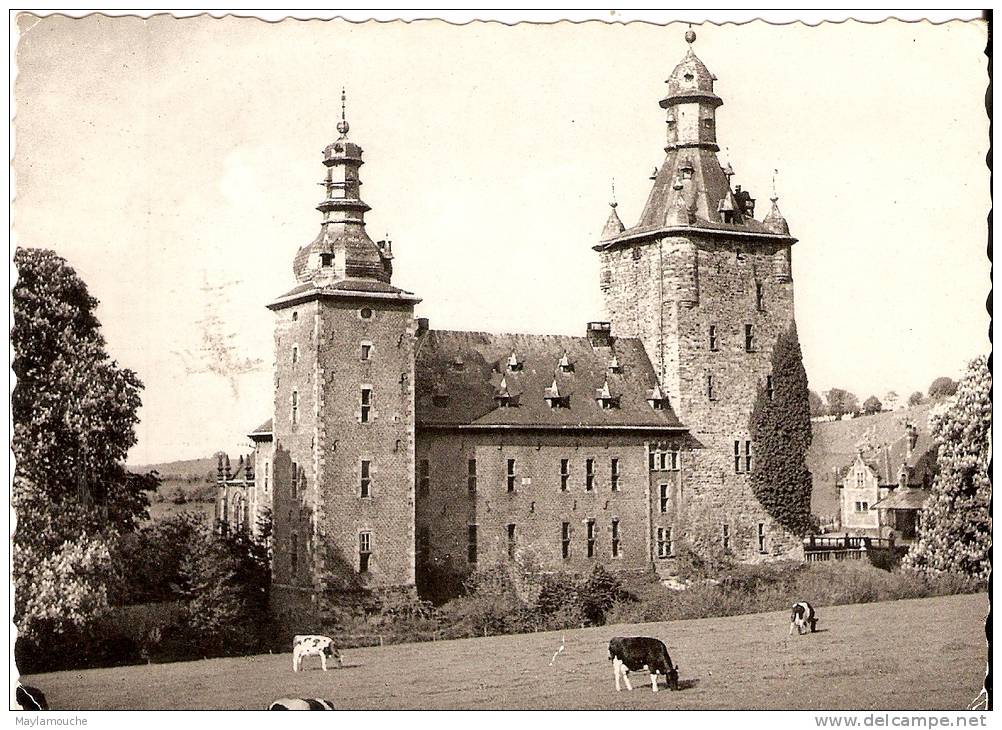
[955, 534]
[73, 408]
[916, 398]
[841, 402]
[781, 430]
[74, 412]
[891, 399]
[872, 405]
[942, 387]
[816, 404]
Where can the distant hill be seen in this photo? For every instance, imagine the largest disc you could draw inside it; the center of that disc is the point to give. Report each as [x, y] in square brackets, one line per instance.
[195, 479]
[834, 446]
[181, 470]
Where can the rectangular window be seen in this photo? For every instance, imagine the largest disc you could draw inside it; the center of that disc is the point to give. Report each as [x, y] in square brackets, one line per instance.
[511, 475]
[267, 471]
[295, 407]
[295, 480]
[511, 542]
[424, 477]
[761, 537]
[366, 350]
[591, 538]
[615, 538]
[663, 497]
[366, 481]
[294, 554]
[366, 403]
[737, 457]
[295, 354]
[364, 551]
[674, 463]
[565, 540]
[748, 456]
[664, 542]
[424, 544]
[471, 543]
[614, 474]
[713, 338]
[770, 391]
[759, 296]
[725, 536]
[326, 259]
[565, 474]
[859, 480]
[749, 339]
[589, 474]
[471, 476]
[710, 395]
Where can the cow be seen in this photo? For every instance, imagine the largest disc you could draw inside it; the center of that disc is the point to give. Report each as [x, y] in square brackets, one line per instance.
[642, 652]
[803, 616]
[30, 698]
[310, 645]
[301, 703]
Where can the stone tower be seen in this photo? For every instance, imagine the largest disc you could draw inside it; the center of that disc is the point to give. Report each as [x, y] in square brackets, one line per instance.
[708, 289]
[344, 409]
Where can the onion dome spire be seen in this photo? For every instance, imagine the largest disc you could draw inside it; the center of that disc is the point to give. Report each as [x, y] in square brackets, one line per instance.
[775, 221]
[342, 250]
[613, 225]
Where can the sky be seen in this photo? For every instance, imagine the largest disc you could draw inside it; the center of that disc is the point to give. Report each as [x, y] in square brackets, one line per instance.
[174, 164]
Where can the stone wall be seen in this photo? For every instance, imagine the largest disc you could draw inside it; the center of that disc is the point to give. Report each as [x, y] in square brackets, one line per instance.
[669, 292]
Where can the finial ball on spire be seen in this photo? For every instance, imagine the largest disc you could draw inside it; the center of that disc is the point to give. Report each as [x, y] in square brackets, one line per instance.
[690, 37]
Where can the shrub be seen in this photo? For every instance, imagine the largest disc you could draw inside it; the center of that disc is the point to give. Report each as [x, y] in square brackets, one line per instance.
[599, 592]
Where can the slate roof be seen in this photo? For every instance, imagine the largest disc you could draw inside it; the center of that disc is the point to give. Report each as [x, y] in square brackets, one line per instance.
[263, 430]
[908, 498]
[459, 376]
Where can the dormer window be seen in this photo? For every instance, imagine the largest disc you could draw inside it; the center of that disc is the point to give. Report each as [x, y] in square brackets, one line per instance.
[688, 77]
[440, 400]
[504, 398]
[614, 366]
[326, 260]
[514, 364]
[657, 399]
[686, 168]
[554, 399]
[605, 399]
[565, 365]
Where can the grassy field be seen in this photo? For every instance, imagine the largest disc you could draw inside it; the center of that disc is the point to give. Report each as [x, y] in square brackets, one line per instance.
[917, 654]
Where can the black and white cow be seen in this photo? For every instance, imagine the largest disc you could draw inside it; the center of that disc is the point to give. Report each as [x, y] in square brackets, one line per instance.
[30, 698]
[312, 645]
[642, 652]
[803, 616]
[301, 703]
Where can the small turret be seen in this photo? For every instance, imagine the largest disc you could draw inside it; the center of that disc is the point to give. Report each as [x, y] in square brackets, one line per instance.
[613, 225]
[774, 220]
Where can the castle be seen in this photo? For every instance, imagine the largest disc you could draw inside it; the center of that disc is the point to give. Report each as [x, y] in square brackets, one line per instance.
[400, 456]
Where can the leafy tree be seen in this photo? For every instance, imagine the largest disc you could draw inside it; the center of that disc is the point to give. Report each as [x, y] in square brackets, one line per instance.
[942, 387]
[956, 531]
[891, 399]
[816, 404]
[916, 398]
[73, 408]
[781, 430]
[841, 402]
[598, 593]
[872, 405]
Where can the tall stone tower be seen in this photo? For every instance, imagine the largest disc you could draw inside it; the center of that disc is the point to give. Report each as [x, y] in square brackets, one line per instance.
[708, 289]
[343, 465]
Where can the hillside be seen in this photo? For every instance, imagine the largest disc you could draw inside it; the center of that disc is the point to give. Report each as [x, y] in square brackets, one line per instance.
[834, 445]
[185, 486]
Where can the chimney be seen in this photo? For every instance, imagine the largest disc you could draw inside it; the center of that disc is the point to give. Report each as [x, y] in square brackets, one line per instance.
[422, 324]
[599, 334]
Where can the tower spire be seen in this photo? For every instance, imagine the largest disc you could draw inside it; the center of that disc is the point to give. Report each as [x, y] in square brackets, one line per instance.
[775, 221]
[613, 225]
[342, 126]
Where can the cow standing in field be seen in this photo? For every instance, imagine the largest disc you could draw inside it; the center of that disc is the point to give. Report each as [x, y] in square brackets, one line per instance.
[803, 616]
[642, 652]
[301, 703]
[310, 645]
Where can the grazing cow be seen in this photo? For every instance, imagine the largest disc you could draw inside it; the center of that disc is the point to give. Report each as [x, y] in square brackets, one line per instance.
[641, 652]
[803, 615]
[30, 698]
[301, 703]
[321, 646]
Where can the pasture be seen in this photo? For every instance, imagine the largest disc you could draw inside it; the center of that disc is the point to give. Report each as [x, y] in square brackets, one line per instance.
[919, 654]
